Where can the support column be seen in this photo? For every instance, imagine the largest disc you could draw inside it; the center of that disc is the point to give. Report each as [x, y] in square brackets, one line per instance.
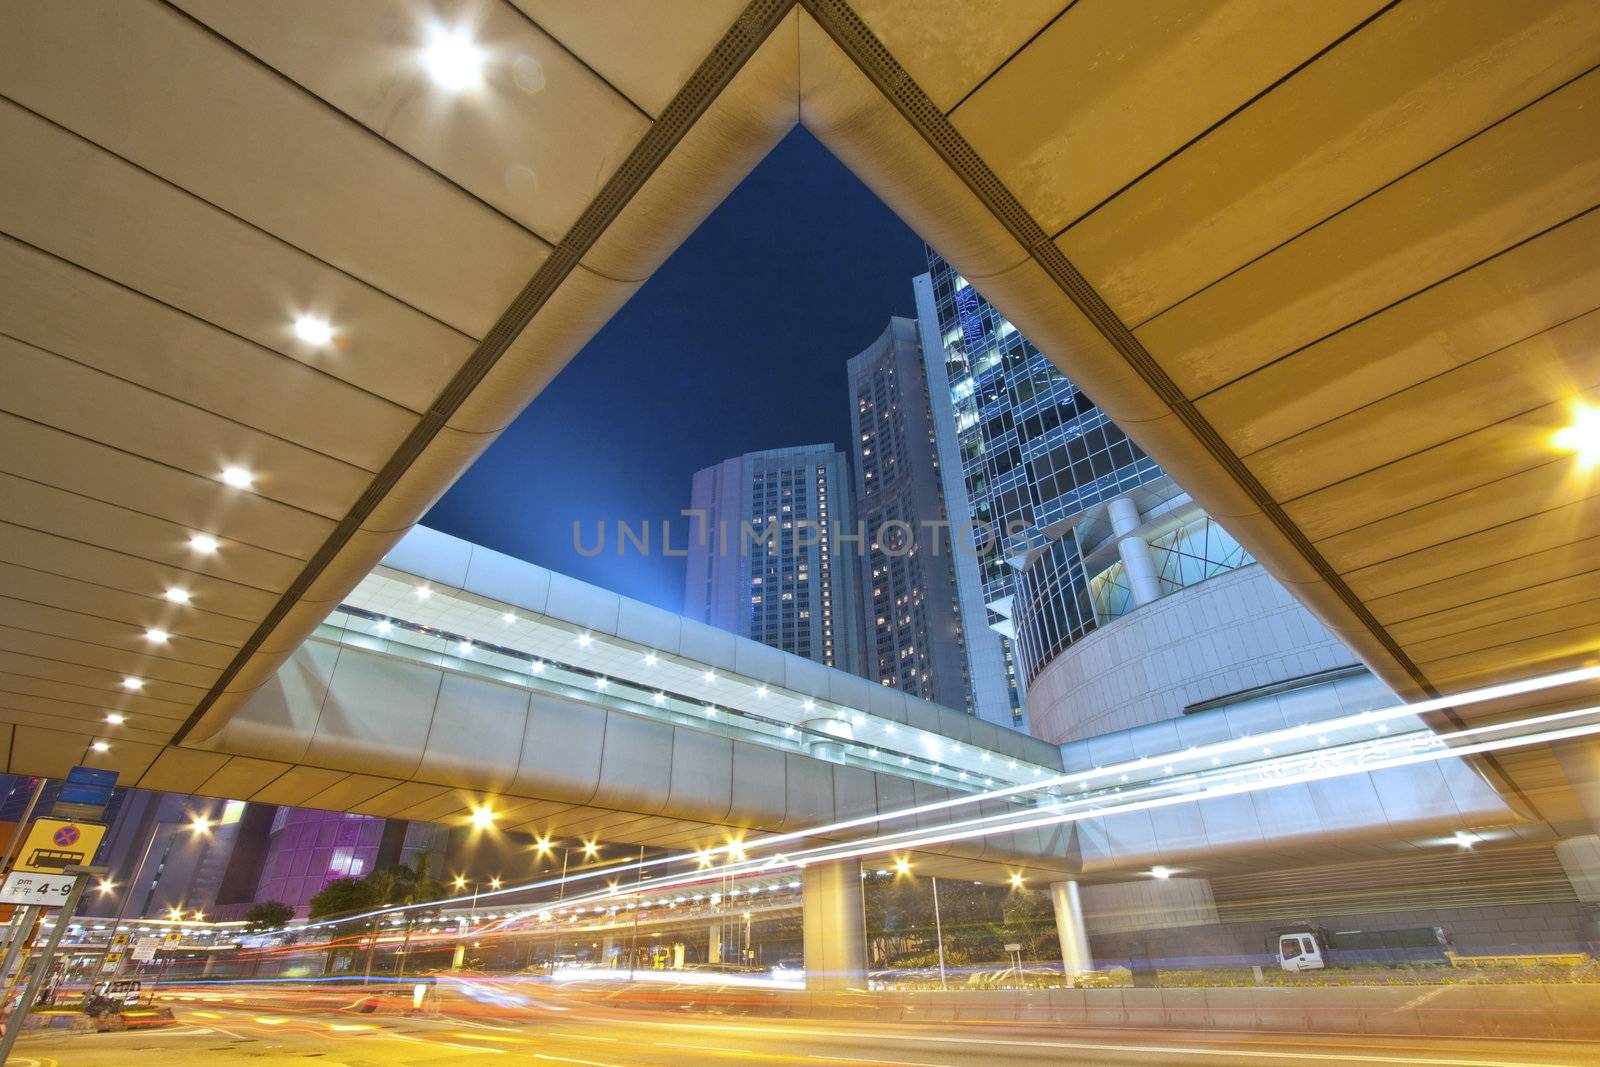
[835, 942]
[1580, 854]
[1137, 562]
[1068, 906]
[714, 943]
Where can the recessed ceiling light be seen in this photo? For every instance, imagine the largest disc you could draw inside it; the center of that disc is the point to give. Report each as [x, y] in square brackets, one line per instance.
[422, 592]
[312, 330]
[115, 719]
[761, 691]
[509, 617]
[466, 648]
[1583, 436]
[178, 596]
[710, 676]
[238, 477]
[809, 705]
[600, 683]
[452, 60]
[650, 659]
[156, 637]
[1161, 872]
[133, 683]
[384, 626]
[538, 666]
[100, 746]
[584, 639]
[204, 543]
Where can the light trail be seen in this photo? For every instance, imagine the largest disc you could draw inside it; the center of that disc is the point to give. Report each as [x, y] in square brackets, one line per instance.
[1188, 756]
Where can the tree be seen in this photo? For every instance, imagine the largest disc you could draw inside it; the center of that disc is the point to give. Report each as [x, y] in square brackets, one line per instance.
[268, 915]
[342, 896]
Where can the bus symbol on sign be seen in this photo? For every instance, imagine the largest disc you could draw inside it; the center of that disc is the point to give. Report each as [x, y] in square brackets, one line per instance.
[66, 836]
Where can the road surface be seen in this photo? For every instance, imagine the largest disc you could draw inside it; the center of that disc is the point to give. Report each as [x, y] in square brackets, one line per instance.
[217, 1034]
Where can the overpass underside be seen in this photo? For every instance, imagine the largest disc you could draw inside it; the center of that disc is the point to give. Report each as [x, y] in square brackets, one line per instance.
[1332, 265]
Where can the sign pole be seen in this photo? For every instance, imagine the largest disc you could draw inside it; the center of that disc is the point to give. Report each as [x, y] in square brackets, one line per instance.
[22, 825]
[41, 970]
[29, 915]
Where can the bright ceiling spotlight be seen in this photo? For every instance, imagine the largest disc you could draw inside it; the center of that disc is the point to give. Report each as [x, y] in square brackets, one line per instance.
[133, 683]
[509, 617]
[1465, 840]
[1583, 436]
[458, 882]
[452, 60]
[483, 817]
[902, 865]
[591, 849]
[100, 746]
[312, 330]
[1162, 873]
[583, 640]
[205, 544]
[156, 637]
[199, 824]
[238, 477]
[177, 596]
[114, 718]
[422, 592]
[650, 659]
[1016, 880]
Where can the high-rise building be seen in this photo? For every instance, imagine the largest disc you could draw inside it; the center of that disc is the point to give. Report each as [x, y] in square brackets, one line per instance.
[1072, 524]
[764, 559]
[911, 622]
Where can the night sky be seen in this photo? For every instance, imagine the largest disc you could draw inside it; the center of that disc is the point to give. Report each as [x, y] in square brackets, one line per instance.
[738, 343]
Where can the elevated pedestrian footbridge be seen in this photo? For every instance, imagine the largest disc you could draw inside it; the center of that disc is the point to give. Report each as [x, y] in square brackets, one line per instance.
[455, 679]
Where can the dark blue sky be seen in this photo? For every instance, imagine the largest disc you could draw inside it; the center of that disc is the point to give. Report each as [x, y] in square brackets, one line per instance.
[738, 343]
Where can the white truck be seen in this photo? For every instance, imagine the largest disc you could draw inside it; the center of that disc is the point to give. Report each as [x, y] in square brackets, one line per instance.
[1312, 948]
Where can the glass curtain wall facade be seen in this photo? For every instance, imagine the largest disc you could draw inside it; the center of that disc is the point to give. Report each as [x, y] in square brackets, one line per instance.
[1034, 453]
[911, 622]
[764, 558]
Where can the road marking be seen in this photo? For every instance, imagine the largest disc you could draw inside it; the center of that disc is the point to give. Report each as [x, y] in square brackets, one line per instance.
[574, 1059]
[1353, 1056]
[580, 1037]
[705, 1048]
[431, 1042]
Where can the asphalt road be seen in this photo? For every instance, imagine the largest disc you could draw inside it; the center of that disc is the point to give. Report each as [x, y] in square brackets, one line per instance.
[555, 1032]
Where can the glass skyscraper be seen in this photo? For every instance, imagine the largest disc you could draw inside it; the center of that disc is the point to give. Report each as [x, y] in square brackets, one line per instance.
[1059, 495]
[764, 560]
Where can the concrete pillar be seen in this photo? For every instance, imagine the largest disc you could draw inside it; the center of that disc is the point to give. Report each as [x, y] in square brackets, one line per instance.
[1137, 562]
[835, 942]
[1580, 858]
[1068, 906]
[714, 943]
[1580, 763]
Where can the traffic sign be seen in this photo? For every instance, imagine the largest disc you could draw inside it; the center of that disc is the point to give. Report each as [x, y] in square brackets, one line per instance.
[52, 845]
[144, 950]
[44, 890]
[88, 785]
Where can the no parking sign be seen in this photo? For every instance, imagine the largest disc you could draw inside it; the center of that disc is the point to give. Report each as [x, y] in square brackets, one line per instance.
[53, 845]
